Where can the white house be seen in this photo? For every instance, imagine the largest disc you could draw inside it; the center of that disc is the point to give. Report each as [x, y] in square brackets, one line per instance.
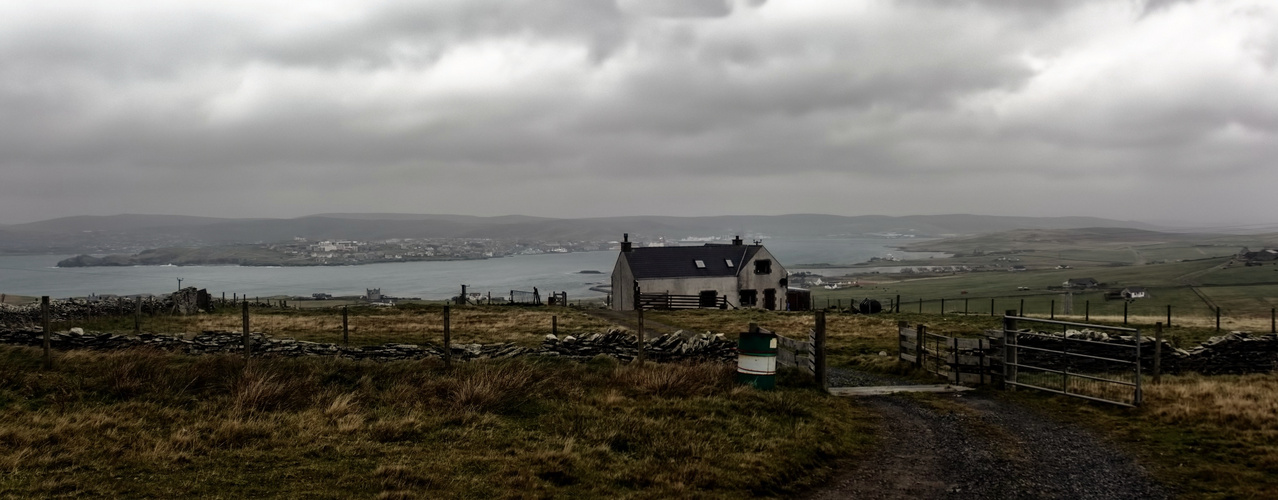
[1134, 292]
[737, 275]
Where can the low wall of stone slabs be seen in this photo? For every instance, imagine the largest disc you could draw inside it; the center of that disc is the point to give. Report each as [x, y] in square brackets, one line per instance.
[1236, 353]
[674, 347]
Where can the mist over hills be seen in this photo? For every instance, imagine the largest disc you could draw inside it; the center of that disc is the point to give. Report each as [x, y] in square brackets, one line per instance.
[92, 234]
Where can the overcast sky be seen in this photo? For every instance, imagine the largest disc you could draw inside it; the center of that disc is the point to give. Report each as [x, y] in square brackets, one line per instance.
[1127, 109]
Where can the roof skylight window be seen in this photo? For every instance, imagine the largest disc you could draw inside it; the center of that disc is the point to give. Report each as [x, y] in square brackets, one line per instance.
[729, 262]
[701, 264]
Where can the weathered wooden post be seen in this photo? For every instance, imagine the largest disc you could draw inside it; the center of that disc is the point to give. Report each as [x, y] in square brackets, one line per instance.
[244, 313]
[898, 303]
[1168, 315]
[1273, 320]
[1218, 318]
[448, 338]
[991, 307]
[1021, 312]
[1125, 303]
[919, 350]
[1052, 315]
[47, 324]
[965, 306]
[490, 297]
[1158, 353]
[840, 305]
[1087, 310]
[137, 315]
[942, 307]
[346, 331]
[639, 322]
[554, 325]
[818, 351]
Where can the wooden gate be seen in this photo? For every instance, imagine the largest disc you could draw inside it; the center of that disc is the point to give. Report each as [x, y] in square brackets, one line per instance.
[957, 360]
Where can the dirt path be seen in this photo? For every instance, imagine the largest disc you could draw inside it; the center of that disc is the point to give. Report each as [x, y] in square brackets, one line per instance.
[974, 447]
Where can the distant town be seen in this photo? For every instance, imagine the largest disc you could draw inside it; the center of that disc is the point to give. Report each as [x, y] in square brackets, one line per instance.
[303, 252]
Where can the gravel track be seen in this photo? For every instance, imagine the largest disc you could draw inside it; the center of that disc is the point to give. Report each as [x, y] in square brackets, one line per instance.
[973, 447]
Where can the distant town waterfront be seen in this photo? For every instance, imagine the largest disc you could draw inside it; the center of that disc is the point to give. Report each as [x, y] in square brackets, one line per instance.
[36, 274]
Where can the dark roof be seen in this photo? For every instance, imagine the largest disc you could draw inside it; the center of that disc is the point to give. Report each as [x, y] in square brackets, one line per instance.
[680, 262]
[1083, 281]
[1136, 289]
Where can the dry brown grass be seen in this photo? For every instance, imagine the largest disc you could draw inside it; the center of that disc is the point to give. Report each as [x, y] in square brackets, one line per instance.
[143, 424]
[413, 324]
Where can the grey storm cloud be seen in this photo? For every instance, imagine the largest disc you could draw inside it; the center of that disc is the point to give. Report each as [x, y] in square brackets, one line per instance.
[639, 106]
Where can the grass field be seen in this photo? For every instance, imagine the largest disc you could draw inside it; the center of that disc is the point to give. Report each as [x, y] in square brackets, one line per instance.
[144, 424]
[99, 424]
[411, 324]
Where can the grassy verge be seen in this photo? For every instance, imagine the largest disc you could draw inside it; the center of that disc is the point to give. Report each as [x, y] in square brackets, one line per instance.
[147, 424]
[1211, 437]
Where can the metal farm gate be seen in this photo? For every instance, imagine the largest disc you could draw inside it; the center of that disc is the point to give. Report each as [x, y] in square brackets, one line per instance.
[1048, 356]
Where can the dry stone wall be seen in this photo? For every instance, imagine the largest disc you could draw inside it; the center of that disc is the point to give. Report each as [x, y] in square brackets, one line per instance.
[1235, 353]
[672, 347]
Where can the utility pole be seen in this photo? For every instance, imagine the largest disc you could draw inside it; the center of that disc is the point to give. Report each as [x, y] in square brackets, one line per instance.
[179, 284]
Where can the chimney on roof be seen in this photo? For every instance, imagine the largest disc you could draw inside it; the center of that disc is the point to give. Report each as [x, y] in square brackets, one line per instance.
[625, 242]
[736, 242]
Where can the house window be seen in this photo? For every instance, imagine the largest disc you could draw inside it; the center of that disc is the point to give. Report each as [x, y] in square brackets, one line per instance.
[701, 264]
[748, 298]
[729, 263]
[763, 266]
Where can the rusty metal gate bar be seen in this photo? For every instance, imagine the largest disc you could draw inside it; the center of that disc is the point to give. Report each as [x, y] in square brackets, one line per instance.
[1100, 386]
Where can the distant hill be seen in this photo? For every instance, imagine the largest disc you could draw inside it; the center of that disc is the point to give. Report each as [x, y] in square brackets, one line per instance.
[1052, 239]
[132, 232]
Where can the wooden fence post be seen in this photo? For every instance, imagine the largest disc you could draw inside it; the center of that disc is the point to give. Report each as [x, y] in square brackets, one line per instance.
[1218, 318]
[920, 305]
[942, 307]
[818, 351]
[1168, 315]
[448, 339]
[554, 325]
[346, 330]
[1158, 352]
[1273, 320]
[965, 307]
[244, 315]
[47, 325]
[639, 324]
[898, 303]
[137, 315]
[1052, 315]
[1087, 310]
[918, 341]
[991, 307]
[1021, 312]
[1125, 303]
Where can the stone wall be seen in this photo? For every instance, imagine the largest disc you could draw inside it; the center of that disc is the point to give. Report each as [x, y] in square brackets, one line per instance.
[673, 347]
[1235, 353]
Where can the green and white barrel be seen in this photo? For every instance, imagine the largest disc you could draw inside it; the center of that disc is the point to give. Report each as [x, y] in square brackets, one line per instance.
[757, 359]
